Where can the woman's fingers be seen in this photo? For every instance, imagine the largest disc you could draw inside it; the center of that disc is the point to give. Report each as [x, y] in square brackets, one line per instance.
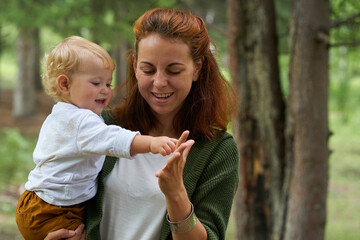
[60, 234]
[178, 159]
[189, 144]
[172, 158]
[80, 233]
[182, 138]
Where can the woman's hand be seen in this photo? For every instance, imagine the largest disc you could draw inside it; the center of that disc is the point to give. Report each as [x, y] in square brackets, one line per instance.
[172, 185]
[171, 176]
[78, 234]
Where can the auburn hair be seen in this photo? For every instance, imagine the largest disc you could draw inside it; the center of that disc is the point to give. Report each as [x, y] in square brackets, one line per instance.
[211, 101]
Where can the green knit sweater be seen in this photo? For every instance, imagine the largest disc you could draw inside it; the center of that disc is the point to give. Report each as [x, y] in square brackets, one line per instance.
[211, 177]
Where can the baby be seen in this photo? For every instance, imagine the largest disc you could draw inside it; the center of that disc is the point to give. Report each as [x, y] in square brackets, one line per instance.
[74, 140]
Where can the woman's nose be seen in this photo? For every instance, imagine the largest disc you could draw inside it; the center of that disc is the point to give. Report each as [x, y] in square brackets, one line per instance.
[160, 80]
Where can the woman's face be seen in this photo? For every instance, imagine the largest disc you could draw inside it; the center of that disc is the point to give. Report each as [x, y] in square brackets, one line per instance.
[165, 72]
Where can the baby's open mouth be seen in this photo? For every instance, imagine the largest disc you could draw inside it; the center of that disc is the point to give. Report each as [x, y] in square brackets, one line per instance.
[100, 101]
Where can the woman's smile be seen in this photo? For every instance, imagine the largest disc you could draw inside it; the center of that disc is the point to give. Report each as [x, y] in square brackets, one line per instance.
[162, 97]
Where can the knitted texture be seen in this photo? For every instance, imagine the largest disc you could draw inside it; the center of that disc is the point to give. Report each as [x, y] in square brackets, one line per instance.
[211, 177]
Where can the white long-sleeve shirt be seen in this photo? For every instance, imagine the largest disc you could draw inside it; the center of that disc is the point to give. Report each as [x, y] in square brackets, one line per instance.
[70, 153]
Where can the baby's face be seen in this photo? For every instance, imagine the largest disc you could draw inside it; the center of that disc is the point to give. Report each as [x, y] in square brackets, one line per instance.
[90, 86]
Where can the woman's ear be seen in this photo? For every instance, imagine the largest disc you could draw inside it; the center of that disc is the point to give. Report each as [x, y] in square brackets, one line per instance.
[63, 83]
[197, 69]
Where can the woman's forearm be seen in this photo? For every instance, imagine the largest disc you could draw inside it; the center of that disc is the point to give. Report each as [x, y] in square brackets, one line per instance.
[179, 210]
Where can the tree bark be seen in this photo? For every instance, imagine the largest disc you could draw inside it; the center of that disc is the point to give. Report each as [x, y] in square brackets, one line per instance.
[24, 93]
[309, 116]
[37, 49]
[121, 58]
[259, 128]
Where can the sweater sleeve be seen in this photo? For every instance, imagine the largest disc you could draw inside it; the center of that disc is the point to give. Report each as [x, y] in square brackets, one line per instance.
[216, 189]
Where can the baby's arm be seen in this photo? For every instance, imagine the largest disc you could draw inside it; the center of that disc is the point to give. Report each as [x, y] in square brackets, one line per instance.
[145, 144]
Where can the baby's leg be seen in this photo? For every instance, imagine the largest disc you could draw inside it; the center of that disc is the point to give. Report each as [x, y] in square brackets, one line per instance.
[36, 218]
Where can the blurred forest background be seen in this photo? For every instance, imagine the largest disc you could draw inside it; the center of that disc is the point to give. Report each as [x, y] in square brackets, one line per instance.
[30, 28]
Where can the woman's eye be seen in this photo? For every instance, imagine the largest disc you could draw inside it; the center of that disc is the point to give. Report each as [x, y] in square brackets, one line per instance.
[174, 72]
[149, 72]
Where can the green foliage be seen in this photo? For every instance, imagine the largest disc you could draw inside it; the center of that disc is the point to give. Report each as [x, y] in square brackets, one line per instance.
[166, 3]
[341, 9]
[16, 156]
[344, 82]
[282, 8]
[341, 12]
[284, 61]
[20, 11]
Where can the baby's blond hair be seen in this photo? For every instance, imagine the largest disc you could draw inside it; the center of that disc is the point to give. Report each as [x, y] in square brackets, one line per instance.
[65, 59]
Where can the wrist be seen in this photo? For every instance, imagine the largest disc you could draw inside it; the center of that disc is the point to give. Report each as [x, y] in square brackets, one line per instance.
[185, 225]
[178, 205]
[177, 196]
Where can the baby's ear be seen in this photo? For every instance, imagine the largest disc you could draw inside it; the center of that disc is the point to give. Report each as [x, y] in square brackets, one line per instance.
[64, 84]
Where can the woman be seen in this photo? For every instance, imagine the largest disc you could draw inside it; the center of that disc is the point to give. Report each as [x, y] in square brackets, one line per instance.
[174, 84]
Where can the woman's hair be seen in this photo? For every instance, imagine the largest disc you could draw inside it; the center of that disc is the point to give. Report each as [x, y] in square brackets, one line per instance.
[211, 101]
[66, 58]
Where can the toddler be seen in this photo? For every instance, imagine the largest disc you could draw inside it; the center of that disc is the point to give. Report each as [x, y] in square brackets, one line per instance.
[74, 140]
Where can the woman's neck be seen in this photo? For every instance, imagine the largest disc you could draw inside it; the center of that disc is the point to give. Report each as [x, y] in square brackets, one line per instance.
[164, 128]
[163, 131]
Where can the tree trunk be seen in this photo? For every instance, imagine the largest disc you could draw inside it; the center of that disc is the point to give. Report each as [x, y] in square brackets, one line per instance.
[309, 116]
[24, 95]
[37, 49]
[259, 128]
[120, 57]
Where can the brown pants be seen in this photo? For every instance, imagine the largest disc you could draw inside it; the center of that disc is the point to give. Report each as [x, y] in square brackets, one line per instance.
[36, 218]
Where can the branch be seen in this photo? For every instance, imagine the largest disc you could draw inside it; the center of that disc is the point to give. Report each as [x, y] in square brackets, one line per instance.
[348, 44]
[323, 37]
[219, 29]
[345, 21]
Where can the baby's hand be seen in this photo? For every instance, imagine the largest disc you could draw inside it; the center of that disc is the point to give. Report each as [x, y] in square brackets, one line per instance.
[163, 145]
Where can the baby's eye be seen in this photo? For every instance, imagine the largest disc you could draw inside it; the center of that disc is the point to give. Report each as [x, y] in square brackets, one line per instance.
[109, 85]
[95, 83]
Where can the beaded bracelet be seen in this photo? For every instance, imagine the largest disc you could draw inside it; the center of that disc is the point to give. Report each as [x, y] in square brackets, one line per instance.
[185, 225]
